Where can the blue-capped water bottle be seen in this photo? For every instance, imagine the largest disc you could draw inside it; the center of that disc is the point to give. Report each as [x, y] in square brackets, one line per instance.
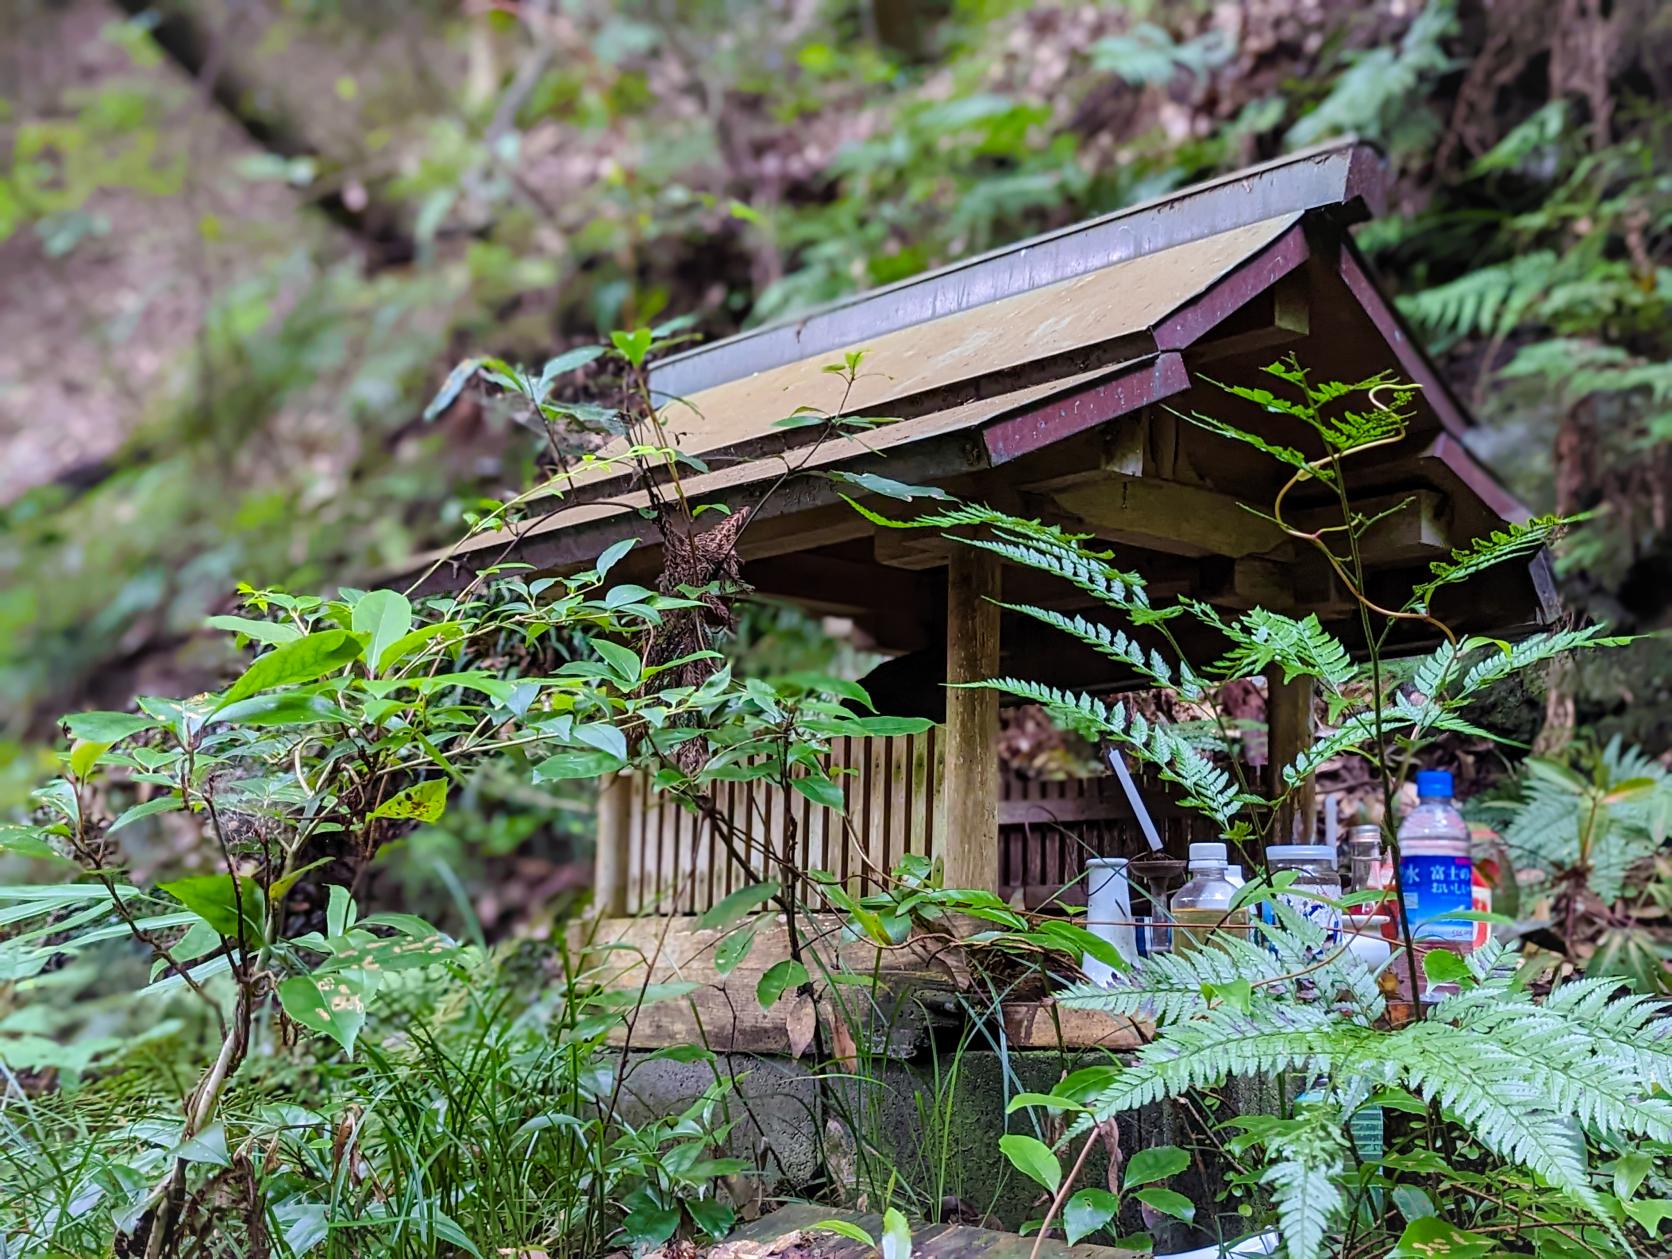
[1436, 870]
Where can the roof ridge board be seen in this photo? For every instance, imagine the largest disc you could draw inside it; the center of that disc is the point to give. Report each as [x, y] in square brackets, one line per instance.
[1347, 173]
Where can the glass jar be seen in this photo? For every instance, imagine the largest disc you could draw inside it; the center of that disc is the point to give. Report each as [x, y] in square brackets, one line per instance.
[1315, 892]
[1364, 857]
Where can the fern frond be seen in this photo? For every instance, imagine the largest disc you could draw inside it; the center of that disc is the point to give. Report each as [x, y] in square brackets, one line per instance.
[1116, 645]
[1534, 649]
[1372, 97]
[1204, 1052]
[1489, 1091]
[1075, 711]
[1073, 563]
[1282, 963]
[1283, 454]
[1488, 301]
[1260, 638]
[1308, 1157]
[1498, 547]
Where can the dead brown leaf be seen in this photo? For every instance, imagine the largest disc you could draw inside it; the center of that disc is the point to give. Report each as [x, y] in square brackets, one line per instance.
[800, 1023]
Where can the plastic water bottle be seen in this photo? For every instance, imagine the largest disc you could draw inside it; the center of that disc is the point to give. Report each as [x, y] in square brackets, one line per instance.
[1435, 869]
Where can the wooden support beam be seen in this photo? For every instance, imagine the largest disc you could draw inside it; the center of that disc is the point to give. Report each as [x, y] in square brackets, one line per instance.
[1283, 318]
[609, 864]
[1288, 733]
[1414, 525]
[1047, 1025]
[971, 855]
[1168, 516]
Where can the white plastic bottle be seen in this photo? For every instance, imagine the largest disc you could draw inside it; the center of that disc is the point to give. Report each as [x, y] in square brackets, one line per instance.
[1436, 870]
[1109, 914]
[1204, 903]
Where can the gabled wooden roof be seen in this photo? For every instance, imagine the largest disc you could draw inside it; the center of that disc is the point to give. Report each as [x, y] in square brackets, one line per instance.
[1029, 377]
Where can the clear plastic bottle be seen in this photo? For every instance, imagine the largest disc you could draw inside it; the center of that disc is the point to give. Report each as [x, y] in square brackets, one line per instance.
[1436, 870]
[1204, 904]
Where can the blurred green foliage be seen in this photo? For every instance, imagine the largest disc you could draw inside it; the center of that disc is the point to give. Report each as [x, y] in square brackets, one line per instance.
[548, 171]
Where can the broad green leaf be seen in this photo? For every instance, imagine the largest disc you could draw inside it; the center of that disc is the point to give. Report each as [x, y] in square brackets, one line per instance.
[161, 804]
[385, 617]
[1077, 940]
[711, 1215]
[107, 727]
[281, 887]
[624, 662]
[896, 1235]
[680, 1053]
[1413, 1203]
[211, 898]
[779, 978]
[447, 1229]
[305, 1225]
[285, 708]
[734, 948]
[634, 345]
[1048, 1100]
[650, 994]
[1153, 1164]
[844, 1229]
[340, 910]
[273, 633]
[332, 1005]
[59, 795]
[603, 736]
[1086, 1083]
[421, 802]
[1087, 1211]
[1166, 1201]
[1433, 1238]
[1650, 1213]
[1235, 993]
[406, 644]
[26, 841]
[730, 908]
[567, 361]
[1033, 1158]
[1630, 1171]
[887, 487]
[650, 1224]
[84, 756]
[820, 790]
[390, 954]
[825, 684]
[1442, 966]
[612, 556]
[450, 389]
[887, 727]
[499, 690]
[305, 660]
[566, 765]
[208, 1146]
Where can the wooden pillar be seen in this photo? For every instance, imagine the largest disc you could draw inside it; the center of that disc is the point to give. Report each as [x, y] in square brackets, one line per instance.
[971, 855]
[1288, 734]
[609, 863]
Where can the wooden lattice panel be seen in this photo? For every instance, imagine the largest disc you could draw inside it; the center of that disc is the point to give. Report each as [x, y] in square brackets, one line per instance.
[895, 804]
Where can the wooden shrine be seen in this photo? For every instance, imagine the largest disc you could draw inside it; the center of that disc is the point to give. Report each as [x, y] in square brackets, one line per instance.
[1041, 378]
